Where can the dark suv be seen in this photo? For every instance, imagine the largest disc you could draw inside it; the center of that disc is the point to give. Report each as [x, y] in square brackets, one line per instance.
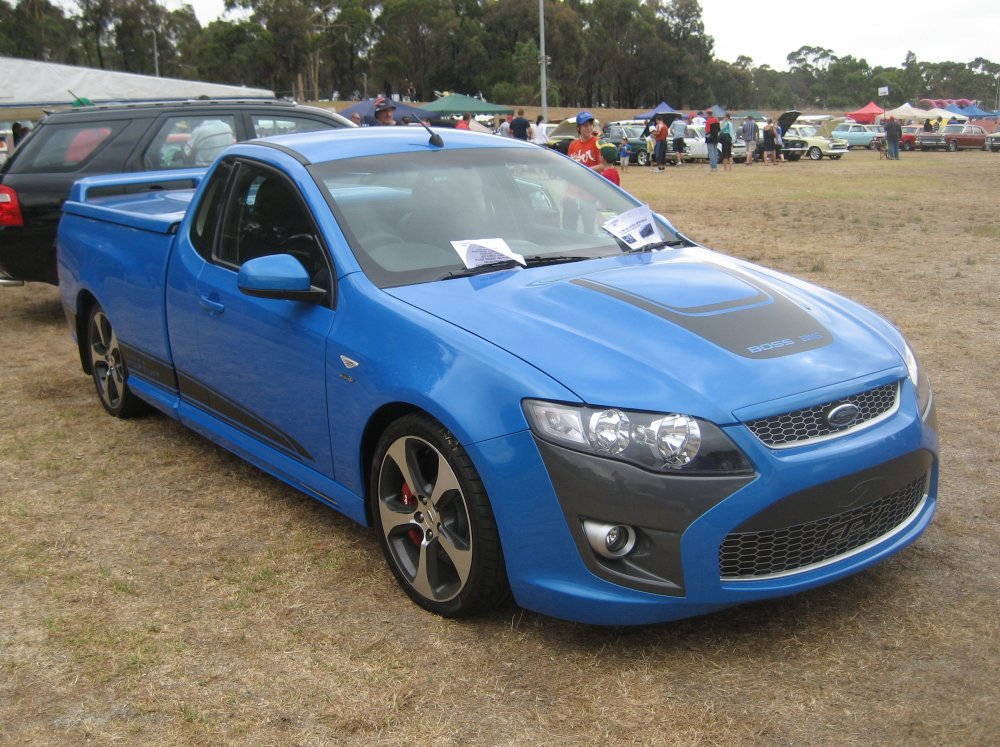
[68, 145]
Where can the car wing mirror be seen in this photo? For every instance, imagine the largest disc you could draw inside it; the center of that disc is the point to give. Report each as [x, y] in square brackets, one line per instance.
[277, 276]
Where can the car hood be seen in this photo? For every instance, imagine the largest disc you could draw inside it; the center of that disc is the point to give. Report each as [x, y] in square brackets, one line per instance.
[787, 119]
[685, 330]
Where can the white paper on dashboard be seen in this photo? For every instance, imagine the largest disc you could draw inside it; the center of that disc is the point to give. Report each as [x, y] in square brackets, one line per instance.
[636, 227]
[479, 252]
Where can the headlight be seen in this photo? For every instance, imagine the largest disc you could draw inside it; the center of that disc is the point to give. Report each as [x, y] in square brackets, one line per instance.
[921, 384]
[665, 442]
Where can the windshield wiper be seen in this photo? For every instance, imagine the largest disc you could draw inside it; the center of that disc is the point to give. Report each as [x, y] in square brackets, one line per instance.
[509, 264]
[505, 264]
[651, 247]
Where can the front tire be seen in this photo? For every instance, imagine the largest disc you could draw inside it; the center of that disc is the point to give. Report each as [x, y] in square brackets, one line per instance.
[434, 519]
[952, 146]
[815, 153]
[642, 158]
[107, 364]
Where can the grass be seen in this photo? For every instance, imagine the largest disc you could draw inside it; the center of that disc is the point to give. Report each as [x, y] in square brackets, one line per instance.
[158, 591]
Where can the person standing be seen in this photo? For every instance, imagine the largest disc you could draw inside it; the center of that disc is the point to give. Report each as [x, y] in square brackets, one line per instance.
[463, 123]
[538, 136]
[678, 128]
[751, 134]
[608, 154]
[660, 136]
[893, 133]
[584, 148]
[504, 130]
[712, 131]
[624, 153]
[727, 134]
[768, 144]
[383, 111]
[519, 126]
[578, 206]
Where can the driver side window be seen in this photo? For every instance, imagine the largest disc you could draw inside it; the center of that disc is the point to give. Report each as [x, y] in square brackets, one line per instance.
[266, 216]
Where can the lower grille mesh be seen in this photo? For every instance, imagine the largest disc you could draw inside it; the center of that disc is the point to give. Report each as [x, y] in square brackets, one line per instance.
[746, 555]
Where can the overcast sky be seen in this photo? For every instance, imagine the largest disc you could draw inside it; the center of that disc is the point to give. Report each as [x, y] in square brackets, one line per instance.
[934, 30]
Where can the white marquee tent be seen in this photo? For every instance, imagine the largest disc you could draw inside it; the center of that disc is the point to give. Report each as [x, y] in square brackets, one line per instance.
[29, 83]
[907, 111]
[946, 115]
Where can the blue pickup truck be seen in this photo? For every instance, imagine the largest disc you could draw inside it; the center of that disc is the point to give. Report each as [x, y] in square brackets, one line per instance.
[529, 384]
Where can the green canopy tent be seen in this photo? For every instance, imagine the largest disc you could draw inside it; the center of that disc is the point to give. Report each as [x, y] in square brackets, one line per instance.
[457, 104]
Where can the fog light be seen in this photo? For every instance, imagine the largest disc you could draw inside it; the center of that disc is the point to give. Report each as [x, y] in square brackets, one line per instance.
[609, 540]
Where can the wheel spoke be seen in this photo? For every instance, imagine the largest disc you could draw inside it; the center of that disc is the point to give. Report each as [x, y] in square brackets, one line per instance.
[422, 580]
[460, 555]
[393, 519]
[447, 481]
[404, 457]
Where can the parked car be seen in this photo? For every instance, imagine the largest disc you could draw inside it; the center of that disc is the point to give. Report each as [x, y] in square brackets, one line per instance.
[814, 144]
[992, 142]
[953, 137]
[586, 410]
[908, 141]
[696, 149]
[69, 144]
[632, 129]
[855, 135]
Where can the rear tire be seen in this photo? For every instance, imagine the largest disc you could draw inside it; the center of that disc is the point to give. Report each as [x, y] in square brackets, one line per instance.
[107, 364]
[435, 523]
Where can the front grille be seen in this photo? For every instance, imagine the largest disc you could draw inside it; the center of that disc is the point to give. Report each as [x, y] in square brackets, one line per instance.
[752, 555]
[800, 426]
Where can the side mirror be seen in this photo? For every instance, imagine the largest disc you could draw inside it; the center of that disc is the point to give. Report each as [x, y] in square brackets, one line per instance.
[278, 276]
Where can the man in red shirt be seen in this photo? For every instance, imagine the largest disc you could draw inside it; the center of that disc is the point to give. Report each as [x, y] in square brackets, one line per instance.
[660, 136]
[578, 207]
[585, 149]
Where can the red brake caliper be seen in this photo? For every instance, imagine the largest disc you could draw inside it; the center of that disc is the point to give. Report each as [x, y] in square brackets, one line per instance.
[415, 534]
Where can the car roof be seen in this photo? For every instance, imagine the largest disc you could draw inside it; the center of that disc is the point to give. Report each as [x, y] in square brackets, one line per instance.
[335, 145]
[130, 109]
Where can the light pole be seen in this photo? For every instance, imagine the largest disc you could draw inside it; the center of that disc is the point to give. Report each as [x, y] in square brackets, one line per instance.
[541, 48]
[156, 55]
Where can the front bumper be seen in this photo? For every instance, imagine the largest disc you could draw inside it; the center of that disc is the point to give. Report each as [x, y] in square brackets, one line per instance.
[846, 503]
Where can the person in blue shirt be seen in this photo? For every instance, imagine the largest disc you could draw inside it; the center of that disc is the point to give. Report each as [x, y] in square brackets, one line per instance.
[624, 153]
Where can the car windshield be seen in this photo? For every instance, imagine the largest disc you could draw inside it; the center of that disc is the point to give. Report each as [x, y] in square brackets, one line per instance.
[807, 130]
[402, 213]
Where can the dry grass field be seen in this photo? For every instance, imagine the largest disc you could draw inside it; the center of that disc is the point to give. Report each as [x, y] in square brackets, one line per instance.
[155, 590]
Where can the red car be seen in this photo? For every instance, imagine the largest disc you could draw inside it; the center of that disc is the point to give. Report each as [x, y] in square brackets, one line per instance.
[953, 137]
[909, 139]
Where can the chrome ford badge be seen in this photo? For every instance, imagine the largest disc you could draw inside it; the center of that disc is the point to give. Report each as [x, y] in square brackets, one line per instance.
[843, 415]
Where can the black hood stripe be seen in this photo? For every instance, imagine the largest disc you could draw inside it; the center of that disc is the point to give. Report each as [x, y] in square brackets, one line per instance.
[762, 325]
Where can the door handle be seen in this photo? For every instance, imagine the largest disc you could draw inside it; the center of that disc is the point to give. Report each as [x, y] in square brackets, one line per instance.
[214, 307]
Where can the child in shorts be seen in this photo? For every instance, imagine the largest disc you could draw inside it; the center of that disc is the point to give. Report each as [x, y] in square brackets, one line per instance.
[624, 153]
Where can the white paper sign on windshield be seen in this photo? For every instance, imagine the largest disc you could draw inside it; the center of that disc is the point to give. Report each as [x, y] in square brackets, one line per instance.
[479, 252]
[636, 227]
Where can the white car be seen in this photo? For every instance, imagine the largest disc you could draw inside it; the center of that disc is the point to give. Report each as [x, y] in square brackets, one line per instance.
[696, 149]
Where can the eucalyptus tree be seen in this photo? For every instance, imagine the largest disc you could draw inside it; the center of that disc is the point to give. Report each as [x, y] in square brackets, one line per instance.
[38, 30]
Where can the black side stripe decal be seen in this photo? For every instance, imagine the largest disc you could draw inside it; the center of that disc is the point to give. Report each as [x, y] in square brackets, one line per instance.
[145, 366]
